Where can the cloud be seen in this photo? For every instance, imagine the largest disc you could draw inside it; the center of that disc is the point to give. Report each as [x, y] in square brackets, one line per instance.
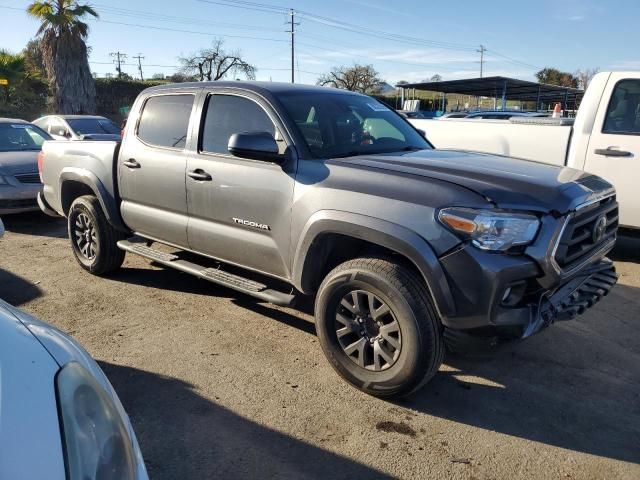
[375, 6]
[626, 65]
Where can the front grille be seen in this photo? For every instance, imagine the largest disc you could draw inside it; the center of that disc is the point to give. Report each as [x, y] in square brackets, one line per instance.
[578, 240]
[26, 203]
[28, 178]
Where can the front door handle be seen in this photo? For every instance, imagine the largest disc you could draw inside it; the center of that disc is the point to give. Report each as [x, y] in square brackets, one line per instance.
[131, 163]
[199, 175]
[612, 152]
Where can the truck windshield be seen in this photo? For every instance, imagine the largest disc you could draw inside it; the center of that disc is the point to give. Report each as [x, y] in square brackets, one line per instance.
[88, 126]
[18, 137]
[342, 125]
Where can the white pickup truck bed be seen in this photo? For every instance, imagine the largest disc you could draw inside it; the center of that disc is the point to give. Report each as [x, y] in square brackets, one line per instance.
[541, 139]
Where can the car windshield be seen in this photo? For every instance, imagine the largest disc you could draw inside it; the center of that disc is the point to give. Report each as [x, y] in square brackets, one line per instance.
[342, 125]
[88, 126]
[18, 137]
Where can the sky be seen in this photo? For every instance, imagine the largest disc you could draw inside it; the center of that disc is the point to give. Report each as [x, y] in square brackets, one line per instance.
[410, 40]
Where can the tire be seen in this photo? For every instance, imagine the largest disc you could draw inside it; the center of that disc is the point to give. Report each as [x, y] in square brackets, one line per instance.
[412, 354]
[100, 255]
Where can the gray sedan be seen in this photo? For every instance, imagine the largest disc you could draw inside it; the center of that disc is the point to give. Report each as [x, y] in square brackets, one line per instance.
[20, 143]
[60, 416]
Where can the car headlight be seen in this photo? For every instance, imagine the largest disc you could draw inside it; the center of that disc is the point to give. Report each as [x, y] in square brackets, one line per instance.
[96, 439]
[491, 230]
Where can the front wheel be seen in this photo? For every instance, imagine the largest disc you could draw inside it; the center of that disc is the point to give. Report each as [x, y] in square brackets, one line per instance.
[93, 239]
[378, 328]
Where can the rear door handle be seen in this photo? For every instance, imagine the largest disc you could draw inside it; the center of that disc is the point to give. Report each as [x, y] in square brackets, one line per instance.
[612, 152]
[199, 175]
[131, 163]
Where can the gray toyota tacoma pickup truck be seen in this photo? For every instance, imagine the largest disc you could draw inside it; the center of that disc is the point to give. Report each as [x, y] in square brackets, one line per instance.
[282, 190]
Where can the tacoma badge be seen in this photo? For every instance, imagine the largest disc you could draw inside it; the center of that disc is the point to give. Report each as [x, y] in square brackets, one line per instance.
[248, 223]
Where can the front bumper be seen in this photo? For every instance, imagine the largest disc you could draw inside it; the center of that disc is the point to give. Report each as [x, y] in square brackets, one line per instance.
[500, 296]
[18, 198]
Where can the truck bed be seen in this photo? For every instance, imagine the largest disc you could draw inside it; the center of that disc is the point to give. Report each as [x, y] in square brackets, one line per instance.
[540, 139]
[76, 160]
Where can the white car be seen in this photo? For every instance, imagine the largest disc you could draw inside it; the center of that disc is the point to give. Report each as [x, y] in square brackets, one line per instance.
[59, 415]
[79, 127]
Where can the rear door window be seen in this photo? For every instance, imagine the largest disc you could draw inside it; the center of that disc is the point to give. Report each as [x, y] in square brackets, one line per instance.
[165, 120]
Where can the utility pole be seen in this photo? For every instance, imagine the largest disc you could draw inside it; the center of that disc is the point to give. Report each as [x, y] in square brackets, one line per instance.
[140, 58]
[118, 59]
[481, 50]
[293, 24]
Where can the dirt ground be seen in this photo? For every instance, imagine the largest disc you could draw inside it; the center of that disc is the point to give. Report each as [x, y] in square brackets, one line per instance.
[219, 385]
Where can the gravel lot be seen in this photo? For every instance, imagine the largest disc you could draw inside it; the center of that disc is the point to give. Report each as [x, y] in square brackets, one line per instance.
[220, 386]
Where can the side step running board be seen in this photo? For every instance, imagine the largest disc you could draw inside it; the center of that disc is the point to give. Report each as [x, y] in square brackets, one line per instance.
[215, 275]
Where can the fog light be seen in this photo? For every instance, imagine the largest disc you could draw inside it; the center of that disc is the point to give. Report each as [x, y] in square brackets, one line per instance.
[506, 294]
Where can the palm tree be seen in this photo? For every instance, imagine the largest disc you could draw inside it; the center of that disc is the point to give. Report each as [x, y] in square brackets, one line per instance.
[63, 35]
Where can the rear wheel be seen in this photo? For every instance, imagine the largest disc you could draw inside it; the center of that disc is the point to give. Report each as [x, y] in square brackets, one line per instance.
[378, 328]
[93, 239]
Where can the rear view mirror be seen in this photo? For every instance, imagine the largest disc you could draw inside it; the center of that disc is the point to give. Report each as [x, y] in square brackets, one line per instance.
[255, 146]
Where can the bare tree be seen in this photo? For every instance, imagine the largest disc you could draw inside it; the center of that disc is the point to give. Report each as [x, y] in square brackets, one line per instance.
[359, 78]
[585, 76]
[215, 63]
[436, 78]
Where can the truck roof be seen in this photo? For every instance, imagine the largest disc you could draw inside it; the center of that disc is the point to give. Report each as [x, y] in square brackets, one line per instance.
[258, 87]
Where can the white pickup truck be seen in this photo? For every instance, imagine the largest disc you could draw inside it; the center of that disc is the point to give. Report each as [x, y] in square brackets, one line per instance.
[604, 139]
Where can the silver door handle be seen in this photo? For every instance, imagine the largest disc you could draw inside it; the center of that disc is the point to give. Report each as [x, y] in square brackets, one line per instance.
[131, 163]
[612, 152]
[199, 175]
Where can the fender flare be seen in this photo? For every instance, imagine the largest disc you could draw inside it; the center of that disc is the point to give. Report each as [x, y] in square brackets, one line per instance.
[106, 199]
[381, 232]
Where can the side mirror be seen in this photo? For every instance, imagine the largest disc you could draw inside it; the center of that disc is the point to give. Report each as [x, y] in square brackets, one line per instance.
[422, 132]
[255, 146]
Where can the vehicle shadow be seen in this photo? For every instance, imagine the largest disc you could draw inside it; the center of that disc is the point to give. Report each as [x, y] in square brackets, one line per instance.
[17, 290]
[575, 385]
[35, 223]
[183, 435]
[169, 279]
[627, 249]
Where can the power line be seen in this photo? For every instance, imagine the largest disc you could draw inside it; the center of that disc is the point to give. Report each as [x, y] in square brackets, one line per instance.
[194, 32]
[145, 15]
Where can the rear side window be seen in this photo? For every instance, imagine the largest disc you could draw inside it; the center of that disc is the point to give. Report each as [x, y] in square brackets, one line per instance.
[165, 120]
[229, 114]
[623, 114]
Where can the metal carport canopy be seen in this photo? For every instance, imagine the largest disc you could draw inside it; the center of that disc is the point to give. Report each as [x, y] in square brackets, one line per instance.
[511, 88]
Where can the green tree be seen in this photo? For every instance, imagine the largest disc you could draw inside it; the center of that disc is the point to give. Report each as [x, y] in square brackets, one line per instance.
[34, 61]
[11, 69]
[25, 95]
[553, 76]
[63, 34]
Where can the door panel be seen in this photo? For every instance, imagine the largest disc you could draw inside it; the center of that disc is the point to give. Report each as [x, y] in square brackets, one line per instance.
[151, 169]
[614, 146]
[242, 214]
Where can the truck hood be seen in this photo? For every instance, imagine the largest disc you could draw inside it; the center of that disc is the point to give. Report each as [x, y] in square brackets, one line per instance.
[12, 163]
[506, 182]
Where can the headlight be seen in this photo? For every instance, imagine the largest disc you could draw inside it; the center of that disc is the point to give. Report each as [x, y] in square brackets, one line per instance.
[489, 229]
[97, 442]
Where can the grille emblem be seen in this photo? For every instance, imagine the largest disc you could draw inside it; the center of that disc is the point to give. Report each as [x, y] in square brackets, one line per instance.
[599, 229]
